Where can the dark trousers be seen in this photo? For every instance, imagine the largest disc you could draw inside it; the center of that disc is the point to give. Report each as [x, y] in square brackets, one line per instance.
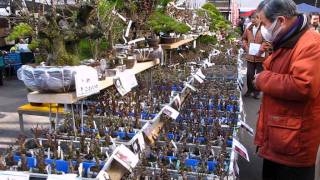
[275, 171]
[253, 68]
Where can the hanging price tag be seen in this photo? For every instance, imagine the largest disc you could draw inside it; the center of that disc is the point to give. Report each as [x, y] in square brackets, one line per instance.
[207, 63]
[247, 128]
[86, 83]
[240, 149]
[169, 111]
[125, 82]
[177, 101]
[174, 145]
[196, 77]
[190, 86]
[200, 74]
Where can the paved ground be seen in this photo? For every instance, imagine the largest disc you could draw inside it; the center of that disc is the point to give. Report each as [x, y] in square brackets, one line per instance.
[13, 94]
[252, 170]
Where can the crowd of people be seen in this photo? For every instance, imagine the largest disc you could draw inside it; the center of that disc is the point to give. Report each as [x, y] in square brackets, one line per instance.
[283, 61]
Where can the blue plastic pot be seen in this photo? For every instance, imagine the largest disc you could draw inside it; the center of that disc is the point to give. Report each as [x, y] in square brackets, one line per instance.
[193, 163]
[31, 161]
[170, 136]
[212, 165]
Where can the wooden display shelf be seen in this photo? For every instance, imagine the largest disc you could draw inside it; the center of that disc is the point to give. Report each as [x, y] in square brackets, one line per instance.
[70, 98]
[182, 42]
[177, 44]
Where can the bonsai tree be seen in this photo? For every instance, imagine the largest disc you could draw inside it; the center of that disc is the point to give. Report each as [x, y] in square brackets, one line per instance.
[216, 20]
[59, 31]
[159, 22]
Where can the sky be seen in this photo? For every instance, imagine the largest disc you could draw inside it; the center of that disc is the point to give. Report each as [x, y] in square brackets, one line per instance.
[248, 4]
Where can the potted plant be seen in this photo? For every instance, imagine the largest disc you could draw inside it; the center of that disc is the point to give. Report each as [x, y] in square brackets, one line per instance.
[166, 26]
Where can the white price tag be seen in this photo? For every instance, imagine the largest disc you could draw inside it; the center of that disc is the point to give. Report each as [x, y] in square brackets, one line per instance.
[209, 64]
[190, 86]
[247, 128]
[141, 141]
[174, 145]
[196, 77]
[240, 149]
[177, 101]
[126, 157]
[103, 176]
[86, 81]
[125, 82]
[169, 111]
[200, 74]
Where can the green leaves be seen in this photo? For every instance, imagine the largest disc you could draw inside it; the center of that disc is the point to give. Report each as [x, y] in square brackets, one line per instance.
[22, 30]
[160, 22]
[218, 22]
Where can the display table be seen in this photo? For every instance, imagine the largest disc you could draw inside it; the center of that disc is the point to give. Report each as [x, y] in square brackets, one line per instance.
[41, 110]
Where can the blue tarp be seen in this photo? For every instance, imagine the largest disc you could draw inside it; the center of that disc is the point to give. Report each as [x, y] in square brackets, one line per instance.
[306, 8]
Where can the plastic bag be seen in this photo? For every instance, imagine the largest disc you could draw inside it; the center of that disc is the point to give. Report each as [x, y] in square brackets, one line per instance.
[48, 79]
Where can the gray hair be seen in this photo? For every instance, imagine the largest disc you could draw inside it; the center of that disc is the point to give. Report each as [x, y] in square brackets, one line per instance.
[274, 8]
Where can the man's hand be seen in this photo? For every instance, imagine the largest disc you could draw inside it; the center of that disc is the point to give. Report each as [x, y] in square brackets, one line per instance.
[264, 48]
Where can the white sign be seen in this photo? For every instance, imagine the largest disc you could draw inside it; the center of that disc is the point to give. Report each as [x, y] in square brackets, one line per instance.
[169, 111]
[254, 49]
[126, 157]
[86, 81]
[11, 175]
[125, 82]
[240, 149]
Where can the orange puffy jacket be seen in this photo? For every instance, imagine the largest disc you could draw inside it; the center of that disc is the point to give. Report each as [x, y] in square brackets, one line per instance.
[288, 128]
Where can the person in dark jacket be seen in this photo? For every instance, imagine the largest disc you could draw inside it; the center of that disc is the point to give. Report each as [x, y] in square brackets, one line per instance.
[252, 36]
[288, 127]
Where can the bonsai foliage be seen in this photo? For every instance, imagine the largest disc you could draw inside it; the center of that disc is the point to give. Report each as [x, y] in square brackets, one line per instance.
[217, 21]
[160, 22]
[22, 30]
[208, 40]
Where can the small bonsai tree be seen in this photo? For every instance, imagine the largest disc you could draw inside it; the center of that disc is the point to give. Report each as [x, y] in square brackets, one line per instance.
[159, 22]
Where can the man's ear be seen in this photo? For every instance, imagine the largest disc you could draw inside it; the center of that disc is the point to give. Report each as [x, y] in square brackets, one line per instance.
[282, 19]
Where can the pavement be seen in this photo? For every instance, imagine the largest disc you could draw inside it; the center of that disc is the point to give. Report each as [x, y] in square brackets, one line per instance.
[14, 94]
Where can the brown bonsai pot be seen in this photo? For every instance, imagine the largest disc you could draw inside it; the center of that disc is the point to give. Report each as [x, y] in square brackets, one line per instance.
[168, 40]
[153, 42]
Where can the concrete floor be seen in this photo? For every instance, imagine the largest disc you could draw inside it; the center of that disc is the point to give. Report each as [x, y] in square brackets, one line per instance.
[13, 94]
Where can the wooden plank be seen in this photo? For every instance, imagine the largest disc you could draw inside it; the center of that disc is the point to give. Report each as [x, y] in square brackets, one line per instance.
[61, 98]
[182, 42]
[70, 98]
[177, 44]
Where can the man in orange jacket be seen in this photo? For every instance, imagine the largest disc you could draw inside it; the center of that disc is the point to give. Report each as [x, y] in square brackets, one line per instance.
[288, 128]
